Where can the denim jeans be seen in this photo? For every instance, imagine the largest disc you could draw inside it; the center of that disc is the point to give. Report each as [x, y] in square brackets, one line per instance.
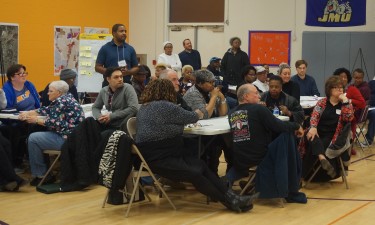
[233, 174]
[37, 143]
[371, 126]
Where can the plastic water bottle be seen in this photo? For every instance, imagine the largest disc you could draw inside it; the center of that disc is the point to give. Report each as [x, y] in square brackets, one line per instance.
[276, 111]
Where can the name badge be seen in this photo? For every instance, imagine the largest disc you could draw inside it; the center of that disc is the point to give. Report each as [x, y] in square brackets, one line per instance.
[338, 111]
[122, 63]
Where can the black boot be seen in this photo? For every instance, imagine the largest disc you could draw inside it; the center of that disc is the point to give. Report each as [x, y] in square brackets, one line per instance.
[239, 203]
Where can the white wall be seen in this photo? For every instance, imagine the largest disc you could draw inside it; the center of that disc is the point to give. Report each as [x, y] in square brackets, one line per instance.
[148, 26]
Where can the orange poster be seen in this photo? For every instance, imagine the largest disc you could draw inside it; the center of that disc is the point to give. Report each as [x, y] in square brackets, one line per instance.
[269, 47]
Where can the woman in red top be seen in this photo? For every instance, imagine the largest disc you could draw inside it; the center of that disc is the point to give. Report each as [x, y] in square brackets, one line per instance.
[353, 94]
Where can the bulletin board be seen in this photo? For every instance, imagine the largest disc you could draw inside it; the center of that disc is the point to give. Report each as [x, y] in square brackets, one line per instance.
[269, 47]
[90, 44]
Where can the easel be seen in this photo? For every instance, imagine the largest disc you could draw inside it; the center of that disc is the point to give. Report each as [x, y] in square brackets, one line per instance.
[363, 63]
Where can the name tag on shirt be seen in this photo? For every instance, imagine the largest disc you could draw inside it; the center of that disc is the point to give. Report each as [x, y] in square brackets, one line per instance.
[338, 111]
[122, 63]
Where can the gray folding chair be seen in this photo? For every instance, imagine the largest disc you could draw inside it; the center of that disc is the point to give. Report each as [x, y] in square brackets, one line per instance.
[56, 153]
[361, 124]
[143, 171]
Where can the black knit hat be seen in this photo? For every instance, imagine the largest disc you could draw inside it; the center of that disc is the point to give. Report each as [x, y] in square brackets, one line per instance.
[67, 74]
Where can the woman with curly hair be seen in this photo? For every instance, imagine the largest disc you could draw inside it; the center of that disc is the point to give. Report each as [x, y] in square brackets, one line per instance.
[160, 124]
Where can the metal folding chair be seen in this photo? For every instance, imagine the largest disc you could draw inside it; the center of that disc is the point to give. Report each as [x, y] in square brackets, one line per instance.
[57, 153]
[143, 171]
[361, 124]
[316, 169]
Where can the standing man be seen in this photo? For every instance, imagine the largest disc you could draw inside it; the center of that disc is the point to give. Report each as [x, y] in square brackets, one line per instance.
[307, 84]
[120, 101]
[190, 56]
[117, 53]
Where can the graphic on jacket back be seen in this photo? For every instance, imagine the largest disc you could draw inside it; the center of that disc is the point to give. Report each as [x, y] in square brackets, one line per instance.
[240, 126]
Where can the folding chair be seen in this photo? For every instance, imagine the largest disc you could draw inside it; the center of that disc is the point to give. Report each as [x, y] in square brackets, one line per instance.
[252, 173]
[143, 171]
[250, 181]
[57, 153]
[361, 124]
[315, 171]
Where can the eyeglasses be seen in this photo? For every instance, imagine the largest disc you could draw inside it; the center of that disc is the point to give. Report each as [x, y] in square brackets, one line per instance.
[251, 74]
[22, 74]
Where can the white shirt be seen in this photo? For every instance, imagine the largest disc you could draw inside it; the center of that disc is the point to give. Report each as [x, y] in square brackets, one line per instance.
[172, 60]
[261, 86]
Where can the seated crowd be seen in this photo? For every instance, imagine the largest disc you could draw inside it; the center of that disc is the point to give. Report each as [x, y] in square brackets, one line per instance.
[165, 102]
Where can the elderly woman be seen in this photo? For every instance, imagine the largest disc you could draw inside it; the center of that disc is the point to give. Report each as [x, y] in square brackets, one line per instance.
[60, 118]
[188, 79]
[289, 87]
[168, 58]
[329, 125]
[160, 124]
[287, 104]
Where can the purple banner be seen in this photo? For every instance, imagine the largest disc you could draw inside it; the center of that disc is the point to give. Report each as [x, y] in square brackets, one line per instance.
[335, 13]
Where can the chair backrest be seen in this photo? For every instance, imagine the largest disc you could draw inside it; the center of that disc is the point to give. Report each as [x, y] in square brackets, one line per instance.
[131, 126]
[364, 113]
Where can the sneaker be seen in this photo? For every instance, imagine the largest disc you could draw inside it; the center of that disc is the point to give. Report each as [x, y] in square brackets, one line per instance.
[364, 144]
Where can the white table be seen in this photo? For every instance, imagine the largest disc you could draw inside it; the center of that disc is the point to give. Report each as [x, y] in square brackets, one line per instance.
[308, 102]
[14, 116]
[214, 126]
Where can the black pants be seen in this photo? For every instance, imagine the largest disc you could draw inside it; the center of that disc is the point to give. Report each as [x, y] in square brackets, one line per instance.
[191, 170]
[7, 173]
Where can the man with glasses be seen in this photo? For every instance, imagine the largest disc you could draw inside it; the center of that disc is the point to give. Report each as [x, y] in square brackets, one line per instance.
[307, 84]
[211, 101]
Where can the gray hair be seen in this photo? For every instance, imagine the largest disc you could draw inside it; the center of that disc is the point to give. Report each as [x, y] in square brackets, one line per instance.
[242, 91]
[60, 85]
[164, 73]
[202, 76]
[282, 66]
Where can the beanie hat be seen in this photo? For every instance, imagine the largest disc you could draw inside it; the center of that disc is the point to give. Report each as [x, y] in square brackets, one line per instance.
[67, 74]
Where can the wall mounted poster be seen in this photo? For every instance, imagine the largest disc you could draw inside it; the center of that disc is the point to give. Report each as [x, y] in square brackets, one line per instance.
[90, 44]
[8, 45]
[269, 47]
[66, 48]
[96, 30]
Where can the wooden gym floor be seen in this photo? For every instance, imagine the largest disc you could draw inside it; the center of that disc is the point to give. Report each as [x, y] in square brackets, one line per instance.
[328, 203]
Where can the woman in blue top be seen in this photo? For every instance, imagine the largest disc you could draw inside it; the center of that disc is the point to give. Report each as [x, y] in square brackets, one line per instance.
[20, 93]
[60, 118]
